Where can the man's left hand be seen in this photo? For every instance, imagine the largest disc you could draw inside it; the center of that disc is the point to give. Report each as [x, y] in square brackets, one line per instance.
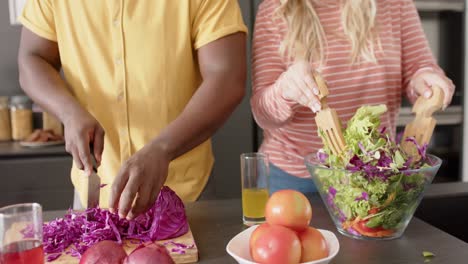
[140, 179]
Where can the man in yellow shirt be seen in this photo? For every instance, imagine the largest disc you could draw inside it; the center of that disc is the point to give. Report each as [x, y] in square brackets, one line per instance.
[146, 83]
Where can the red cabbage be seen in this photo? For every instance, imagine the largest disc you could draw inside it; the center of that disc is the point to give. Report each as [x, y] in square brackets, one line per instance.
[322, 156]
[421, 149]
[80, 230]
[364, 196]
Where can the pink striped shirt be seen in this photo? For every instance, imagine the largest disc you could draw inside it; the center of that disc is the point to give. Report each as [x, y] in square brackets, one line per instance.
[290, 131]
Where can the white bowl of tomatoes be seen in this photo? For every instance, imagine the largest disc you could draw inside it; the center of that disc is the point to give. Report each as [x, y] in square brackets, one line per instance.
[239, 247]
[286, 237]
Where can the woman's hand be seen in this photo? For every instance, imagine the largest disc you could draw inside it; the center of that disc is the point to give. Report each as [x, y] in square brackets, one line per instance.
[297, 84]
[421, 85]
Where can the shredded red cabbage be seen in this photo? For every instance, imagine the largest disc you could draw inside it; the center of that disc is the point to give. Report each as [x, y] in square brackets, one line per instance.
[80, 230]
[421, 149]
[179, 247]
[364, 196]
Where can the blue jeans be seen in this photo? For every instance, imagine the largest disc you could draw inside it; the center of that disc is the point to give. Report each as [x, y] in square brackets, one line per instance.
[280, 180]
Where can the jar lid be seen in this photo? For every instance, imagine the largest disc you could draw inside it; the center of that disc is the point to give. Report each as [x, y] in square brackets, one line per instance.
[20, 100]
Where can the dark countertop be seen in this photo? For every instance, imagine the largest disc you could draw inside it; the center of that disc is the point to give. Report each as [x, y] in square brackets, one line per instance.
[449, 189]
[9, 150]
[214, 223]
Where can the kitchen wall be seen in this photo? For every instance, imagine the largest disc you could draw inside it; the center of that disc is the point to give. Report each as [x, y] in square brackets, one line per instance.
[9, 39]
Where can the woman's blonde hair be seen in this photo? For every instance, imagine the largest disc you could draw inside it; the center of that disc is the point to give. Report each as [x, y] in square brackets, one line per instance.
[305, 37]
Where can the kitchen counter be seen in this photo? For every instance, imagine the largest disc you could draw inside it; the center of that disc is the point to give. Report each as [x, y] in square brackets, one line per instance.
[214, 223]
[13, 150]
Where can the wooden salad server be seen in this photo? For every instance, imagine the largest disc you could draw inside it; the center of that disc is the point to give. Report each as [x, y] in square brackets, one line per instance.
[422, 127]
[327, 119]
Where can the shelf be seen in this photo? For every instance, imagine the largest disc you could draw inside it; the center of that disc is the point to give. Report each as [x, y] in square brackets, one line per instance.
[440, 5]
[13, 150]
[453, 115]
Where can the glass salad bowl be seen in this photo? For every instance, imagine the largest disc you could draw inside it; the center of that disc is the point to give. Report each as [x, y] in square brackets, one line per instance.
[376, 208]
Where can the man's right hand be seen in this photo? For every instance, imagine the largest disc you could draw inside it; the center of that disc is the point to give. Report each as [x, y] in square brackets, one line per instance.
[81, 131]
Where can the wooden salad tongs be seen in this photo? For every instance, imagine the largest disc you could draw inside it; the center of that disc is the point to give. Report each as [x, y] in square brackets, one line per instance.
[327, 120]
[422, 127]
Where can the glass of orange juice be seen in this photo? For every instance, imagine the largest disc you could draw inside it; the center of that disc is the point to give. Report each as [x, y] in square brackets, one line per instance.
[255, 173]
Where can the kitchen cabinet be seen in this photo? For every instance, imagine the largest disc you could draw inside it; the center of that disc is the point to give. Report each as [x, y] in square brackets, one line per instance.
[449, 200]
[35, 175]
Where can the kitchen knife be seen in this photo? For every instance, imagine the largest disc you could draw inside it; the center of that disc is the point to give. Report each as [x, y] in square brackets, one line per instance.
[94, 184]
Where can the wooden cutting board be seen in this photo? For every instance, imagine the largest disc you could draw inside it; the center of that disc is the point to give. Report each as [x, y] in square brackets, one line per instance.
[190, 255]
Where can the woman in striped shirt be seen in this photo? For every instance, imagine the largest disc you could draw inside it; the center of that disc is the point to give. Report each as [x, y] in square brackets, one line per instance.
[369, 51]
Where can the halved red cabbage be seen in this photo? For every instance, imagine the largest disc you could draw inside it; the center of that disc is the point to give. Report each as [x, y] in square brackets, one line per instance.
[165, 220]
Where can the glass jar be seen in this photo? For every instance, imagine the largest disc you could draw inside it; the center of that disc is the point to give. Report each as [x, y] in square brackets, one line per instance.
[21, 117]
[50, 122]
[5, 127]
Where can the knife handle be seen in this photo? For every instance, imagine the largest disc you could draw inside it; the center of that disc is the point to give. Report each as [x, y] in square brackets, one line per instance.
[93, 158]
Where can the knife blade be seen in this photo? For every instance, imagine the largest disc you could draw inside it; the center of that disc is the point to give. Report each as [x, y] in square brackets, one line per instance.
[94, 184]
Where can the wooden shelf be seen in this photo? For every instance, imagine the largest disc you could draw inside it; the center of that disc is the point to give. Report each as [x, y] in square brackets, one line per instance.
[440, 5]
[453, 115]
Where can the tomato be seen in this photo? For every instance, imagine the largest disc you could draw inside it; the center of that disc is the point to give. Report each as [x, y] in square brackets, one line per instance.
[314, 245]
[362, 225]
[276, 245]
[289, 208]
[363, 229]
[257, 233]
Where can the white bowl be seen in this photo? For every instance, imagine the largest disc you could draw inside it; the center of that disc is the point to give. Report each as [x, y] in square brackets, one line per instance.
[238, 247]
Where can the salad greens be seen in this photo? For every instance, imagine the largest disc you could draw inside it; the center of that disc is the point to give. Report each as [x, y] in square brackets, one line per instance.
[371, 188]
[427, 256]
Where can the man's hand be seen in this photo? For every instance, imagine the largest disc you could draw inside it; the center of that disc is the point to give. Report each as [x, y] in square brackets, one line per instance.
[141, 177]
[223, 68]
[81, 131]
[39, 66]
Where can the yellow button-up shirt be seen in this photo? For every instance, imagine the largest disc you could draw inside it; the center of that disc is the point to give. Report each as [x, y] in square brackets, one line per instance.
[132, 64]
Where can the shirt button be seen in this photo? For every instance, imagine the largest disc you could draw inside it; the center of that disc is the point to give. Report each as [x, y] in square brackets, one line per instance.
[118, 61]
[120, 97]
[115, 23]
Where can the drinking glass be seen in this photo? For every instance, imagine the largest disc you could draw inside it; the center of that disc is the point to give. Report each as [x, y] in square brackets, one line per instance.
[21, 234]
[255, 173]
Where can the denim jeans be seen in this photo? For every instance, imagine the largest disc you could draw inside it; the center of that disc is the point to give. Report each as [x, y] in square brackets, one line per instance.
[280, 180]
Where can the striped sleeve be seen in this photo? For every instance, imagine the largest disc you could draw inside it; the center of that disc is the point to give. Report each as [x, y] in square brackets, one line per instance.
[416, 53]
[269, 108]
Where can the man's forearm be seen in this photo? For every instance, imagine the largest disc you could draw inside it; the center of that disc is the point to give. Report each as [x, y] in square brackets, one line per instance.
[208, 109]
[43, 83]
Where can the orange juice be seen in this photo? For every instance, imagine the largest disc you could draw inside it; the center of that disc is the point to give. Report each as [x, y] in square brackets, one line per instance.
[253, 202]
